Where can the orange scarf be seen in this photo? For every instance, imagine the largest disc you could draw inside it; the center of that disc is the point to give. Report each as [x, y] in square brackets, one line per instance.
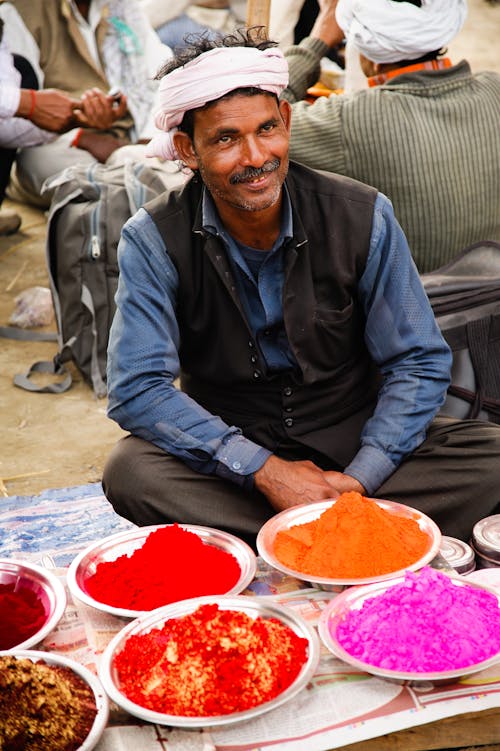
[444, 62]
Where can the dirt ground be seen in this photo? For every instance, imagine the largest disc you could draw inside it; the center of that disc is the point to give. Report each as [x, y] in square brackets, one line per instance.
[48, 440]
[57, 441]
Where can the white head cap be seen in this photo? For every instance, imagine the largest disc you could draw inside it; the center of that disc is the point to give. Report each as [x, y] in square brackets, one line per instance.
[387, 31]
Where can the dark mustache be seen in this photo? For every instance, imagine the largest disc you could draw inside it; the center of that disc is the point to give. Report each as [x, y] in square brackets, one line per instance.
[251, 173]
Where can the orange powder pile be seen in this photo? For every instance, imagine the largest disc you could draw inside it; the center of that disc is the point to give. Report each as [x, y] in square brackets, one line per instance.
[354, 538]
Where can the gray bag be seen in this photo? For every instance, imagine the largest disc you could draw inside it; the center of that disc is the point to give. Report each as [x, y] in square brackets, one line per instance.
[88, 210]
[465, 297]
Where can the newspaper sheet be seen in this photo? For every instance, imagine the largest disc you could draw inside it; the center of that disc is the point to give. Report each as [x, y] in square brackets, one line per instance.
[340, 705]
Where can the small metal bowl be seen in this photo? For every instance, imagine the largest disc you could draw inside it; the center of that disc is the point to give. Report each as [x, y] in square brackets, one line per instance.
[251, 606]
[124, 543]
[100, 696]
[46, 587]
[353, 598]
[310, 511]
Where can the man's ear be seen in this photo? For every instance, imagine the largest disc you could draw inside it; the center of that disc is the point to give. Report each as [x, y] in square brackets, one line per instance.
[185, 149]
[286, 113]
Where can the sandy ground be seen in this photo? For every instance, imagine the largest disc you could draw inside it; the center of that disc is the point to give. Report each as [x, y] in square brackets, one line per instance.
[56, 441]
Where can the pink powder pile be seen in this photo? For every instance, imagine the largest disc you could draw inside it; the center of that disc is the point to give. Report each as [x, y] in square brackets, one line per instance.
[425, 624]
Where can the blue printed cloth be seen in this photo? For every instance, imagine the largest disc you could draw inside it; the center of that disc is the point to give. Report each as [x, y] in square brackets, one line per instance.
[59, 523]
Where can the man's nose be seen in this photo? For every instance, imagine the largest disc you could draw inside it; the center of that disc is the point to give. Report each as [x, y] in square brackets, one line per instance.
[253, 152]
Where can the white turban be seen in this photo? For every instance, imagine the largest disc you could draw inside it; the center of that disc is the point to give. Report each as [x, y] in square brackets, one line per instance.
[385, 31]
[208, 77]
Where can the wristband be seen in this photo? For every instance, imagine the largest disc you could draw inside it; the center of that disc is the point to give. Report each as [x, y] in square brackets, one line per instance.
[33, 104]
[77, 137]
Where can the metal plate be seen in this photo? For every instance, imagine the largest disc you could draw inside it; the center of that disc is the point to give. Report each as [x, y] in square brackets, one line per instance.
[251, 606]
[45, 585]
[100, 696]
[309, 512]
[353, 599]
[124, 543]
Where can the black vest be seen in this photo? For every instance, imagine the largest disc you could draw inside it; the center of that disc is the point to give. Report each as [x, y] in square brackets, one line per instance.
[326, 403]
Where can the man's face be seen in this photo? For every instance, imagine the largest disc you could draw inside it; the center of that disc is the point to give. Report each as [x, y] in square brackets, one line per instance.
[240, 148]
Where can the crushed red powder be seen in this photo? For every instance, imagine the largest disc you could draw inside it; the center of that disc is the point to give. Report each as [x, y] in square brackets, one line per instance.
[210, 662]
[354, 538]
[173, 564]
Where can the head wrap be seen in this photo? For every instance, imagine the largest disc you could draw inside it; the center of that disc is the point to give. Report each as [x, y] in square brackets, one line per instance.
[385, 31]
[208, 77]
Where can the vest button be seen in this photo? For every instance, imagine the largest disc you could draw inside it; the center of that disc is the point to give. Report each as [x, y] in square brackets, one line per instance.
[287, 391]
[253, 358]
[251, 344]
[288, 422]
[257, 374]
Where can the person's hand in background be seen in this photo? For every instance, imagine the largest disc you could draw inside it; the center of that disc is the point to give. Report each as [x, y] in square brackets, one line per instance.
[50, 109]
[99, 110]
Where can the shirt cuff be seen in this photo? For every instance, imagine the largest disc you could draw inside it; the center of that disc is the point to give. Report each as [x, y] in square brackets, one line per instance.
[238, 459]
[371, 468]
[317, 46]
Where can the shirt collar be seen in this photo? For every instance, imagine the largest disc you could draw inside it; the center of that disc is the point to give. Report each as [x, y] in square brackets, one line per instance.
[95, 12]
[212, 223]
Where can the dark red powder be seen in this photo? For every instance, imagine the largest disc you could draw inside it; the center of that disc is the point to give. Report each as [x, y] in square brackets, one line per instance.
[173, 564]
[22, 614]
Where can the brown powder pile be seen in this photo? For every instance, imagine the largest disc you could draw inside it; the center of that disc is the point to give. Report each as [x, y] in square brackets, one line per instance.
[43, 707]
[354, 538]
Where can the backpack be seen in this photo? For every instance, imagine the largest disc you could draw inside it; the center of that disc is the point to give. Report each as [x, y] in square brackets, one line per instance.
[465, 297]
[89, 207]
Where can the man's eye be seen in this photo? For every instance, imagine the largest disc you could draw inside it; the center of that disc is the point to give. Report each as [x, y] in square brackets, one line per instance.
[224, 139]
[268, 127]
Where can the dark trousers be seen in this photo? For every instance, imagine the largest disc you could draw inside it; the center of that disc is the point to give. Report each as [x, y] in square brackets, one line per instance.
[453, 477]
[7, 156]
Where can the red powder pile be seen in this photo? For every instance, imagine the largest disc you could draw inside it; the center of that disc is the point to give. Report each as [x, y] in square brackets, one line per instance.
[22, 614]
[173, 564]
[210, 662]
[354, 538]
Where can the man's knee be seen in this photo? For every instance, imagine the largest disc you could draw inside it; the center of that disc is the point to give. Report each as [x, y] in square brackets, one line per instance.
[117, 476]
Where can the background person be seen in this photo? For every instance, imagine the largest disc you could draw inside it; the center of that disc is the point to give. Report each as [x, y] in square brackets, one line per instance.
[28, 117]
[287, 301]
[425, 132]
[89, 46]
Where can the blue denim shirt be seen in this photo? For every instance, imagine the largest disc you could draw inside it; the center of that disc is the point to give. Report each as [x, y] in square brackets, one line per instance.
[143, 362]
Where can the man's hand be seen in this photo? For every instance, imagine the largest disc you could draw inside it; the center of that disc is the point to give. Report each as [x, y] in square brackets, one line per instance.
[100, 145]
[50, 109]
[99, 110]
[325, 26]
[287, 484]
[343, 483]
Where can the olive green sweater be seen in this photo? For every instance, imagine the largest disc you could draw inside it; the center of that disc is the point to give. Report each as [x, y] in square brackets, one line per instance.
[428, 140]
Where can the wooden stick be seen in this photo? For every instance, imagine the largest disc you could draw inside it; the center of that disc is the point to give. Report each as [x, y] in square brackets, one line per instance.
[26, 474]
[16, 277]
[258, 12]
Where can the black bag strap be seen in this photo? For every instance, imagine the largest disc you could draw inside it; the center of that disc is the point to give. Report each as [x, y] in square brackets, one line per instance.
[485, 361]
